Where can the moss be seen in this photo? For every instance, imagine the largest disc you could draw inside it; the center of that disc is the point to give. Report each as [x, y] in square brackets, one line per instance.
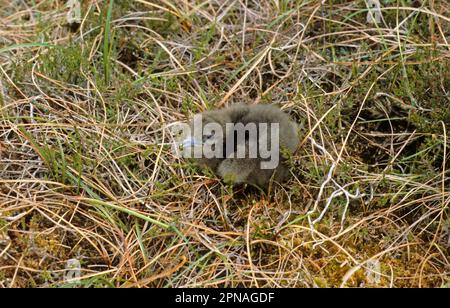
[65, 64]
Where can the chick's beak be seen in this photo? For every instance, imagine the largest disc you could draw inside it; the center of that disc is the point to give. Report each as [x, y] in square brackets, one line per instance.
[190, 142]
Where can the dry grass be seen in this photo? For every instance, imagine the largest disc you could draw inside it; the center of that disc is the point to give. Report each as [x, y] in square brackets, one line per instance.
[86, 170]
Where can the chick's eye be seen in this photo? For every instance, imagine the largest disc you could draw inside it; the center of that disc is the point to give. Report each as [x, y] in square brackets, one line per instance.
[209, 135]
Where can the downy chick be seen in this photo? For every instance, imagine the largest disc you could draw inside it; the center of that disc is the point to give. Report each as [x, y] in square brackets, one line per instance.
[263, 133]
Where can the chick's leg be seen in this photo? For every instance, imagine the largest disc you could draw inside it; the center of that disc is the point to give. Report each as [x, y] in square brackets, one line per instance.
[237, 167]
[236, 170]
